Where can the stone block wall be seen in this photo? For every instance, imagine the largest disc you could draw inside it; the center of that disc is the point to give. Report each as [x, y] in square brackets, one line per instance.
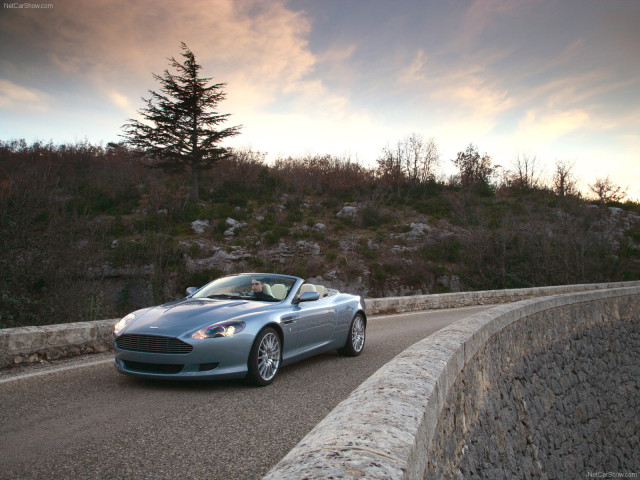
[416, 303]
[51, 342]
[555, 395]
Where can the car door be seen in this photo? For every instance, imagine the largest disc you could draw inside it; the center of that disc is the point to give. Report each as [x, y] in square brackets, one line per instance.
[316, 324]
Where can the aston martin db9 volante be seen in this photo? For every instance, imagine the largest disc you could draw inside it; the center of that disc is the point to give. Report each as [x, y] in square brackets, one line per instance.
[239, 326]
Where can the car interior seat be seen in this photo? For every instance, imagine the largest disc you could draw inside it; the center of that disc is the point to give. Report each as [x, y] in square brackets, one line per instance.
[307, 287]
[279, 291]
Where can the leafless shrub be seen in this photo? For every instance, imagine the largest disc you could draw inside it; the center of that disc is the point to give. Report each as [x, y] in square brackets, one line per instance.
[606, 191]
[324, 173]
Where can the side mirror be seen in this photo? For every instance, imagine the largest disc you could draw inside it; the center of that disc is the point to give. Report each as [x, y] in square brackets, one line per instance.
[308, 297]
[191, 291]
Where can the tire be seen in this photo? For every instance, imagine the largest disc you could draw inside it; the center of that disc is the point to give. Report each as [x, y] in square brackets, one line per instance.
[265, 358]
[356, 337]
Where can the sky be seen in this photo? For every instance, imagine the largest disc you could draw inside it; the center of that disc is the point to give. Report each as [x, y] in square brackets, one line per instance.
[555, 80]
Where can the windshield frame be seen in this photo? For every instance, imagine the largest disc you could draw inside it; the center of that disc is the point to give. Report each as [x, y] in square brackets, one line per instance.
[238, 287]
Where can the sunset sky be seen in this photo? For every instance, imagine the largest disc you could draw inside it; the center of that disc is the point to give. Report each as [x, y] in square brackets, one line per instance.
[552, 79]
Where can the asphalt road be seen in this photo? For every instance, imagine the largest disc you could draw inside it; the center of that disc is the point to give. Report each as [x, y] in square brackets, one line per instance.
[80, 419]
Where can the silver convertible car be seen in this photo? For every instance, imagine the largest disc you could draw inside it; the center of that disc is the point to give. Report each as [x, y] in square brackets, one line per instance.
[246, 325]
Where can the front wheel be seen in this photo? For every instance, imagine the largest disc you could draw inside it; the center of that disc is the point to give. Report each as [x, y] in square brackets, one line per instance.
[264, 359]
[356, 337]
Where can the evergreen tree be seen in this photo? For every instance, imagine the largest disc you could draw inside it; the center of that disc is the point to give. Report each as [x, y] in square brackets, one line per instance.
[179, 131]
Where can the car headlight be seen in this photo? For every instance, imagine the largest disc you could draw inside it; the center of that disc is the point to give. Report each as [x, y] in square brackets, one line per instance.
[121, 325]
[225, 329]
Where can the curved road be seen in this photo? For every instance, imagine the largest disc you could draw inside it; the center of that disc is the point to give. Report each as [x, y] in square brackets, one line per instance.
[80, 419]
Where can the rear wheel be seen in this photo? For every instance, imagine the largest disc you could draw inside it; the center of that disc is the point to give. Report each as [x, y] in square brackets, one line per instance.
[356, 337]
[265, 357]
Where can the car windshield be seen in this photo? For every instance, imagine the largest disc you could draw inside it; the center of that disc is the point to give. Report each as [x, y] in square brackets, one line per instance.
[259, 287]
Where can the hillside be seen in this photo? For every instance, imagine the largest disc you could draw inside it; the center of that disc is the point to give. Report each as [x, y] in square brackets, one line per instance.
[88, 233]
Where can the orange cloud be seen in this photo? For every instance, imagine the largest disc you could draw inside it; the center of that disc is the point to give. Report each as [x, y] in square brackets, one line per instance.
[17, 97]
[255, 44]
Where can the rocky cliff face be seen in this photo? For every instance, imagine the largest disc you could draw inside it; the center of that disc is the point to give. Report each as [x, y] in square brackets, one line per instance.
[416, 255]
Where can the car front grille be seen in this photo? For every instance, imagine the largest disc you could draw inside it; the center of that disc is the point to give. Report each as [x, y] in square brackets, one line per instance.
[152, 367]
[152, 344]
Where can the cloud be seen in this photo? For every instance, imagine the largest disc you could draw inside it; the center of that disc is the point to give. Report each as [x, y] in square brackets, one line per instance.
[476, 96]
[545, 127]
[466, 98]
[259, 45]
[17, 97]
[416, 71]
[122, 102]
[481, 16]
[456, 89]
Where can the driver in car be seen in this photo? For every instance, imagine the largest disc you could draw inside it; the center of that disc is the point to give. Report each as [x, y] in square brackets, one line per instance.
[257, 288]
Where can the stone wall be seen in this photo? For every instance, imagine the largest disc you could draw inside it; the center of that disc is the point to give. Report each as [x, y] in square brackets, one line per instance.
[544, 388]
[51, 342]
[416, 303]
[555, 395]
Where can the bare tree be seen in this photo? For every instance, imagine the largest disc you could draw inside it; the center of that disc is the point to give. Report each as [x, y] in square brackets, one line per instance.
[526, 174]
[413, 160]
[607, 191]
[422, 158]
[564, 180]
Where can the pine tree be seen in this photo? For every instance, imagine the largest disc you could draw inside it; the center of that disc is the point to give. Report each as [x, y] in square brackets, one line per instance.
[179, 131]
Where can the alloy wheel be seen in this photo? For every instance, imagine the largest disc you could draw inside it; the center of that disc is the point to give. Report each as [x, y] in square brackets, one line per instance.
[269, 356]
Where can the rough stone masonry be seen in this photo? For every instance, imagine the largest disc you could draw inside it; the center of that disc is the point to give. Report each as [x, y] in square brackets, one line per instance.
[555, 396]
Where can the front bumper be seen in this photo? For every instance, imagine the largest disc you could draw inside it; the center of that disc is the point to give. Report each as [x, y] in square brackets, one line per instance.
[210, 359]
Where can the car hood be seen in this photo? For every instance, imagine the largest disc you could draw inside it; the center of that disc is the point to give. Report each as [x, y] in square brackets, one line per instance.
[184, 316]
